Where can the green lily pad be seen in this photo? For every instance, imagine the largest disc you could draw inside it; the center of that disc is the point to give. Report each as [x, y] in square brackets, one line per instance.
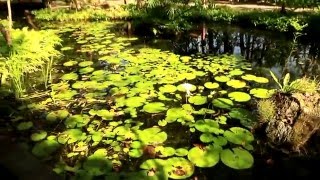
[70, 63]
[51, 117]
[179, 168]
[135, 101]
[174, 114]
[86, 70]
[39, 136]
[97, 164]
[24, 126]
[238, 135]
[222, 103]
[198, 100]
[105, 114]
[186, 87]
[181, 152]
[220, 141]
[153, 164]
[85, 63]
[152, 135]
[211, 85]
[208, 126]
[236, 83]
[206, 137]
[222, 78]
[45, 148]
[236, 72]
[70, 76]
[239, 96]
[238, 158]
[154, 107]
[165, 151]
[250, 77]
[208, 156]
[78, 120]
[168, 88]
[261, 93]
[135, 153]
[71, 136]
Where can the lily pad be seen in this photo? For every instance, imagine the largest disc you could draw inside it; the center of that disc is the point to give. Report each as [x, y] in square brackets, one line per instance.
[211, 85]
[179, 168]
[198, 100]
[207, 156]
[245, 116]
[70, 76]
[250, 77]
[85, 63]
[238, 158]
[208, 126]
[135, 153]
[238, 135]
[222, 103]
[38, 136]
[222, 78]
[181, 152]
[236, 83]
[86, 70]
[181, 114]
[97, 164]
[70, 63]
[186, 87]
[261, 93]
[78, 120]
[220, 141]
[105, 114]
[206, 137]
[135, 101]
[154, 107]
[239, 96]
[168, 88]
[24, 126]
[45, 148]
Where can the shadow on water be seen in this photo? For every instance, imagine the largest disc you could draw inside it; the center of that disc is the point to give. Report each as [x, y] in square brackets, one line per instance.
[16, 160]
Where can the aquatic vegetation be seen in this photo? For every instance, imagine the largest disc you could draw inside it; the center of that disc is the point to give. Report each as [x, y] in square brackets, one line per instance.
[266, 109]
[30, 52]
[126, 105]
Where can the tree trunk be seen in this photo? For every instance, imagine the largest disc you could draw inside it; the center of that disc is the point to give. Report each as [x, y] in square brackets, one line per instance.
[139, 4]
[9, 15]
[283, 8]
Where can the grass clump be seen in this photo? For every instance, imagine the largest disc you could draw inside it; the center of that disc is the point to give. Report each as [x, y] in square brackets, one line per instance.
[266, 109]
[305, 85]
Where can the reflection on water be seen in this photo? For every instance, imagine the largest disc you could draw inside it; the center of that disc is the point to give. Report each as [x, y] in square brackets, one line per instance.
[266, 50]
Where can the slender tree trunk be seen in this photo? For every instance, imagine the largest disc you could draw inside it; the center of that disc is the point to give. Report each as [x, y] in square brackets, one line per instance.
[283, 8]
[9, 15]
[139, 4]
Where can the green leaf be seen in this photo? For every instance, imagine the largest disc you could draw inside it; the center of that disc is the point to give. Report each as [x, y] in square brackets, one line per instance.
[24, 126]
[222, 103]
[38, 136]
[239, 96]
[208, 156]
[238, 158]
[177, 164]
[206, 137]
[286, 80]
[275, 79]
[45, 148]
[198, 100]
[154, 107]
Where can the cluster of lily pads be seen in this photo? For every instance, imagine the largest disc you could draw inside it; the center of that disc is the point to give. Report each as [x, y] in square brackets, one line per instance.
[117, 108]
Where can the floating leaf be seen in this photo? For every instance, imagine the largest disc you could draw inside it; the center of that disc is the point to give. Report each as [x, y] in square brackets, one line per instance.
[186, 87]
[261, 93]
[135, 101]
[211, 85]
[135, 153]
[97, 164]
[86, 70]
[222, 103]
[220, 141]
[250, 77]
[198, 100]
[78, 120]
[45, 148]
[105, 114]
[70, 63]
[24, 126]
[208, 126]
[181, 152]
[238, 158]
[168, 88]
[222, 78]
[245, 116]
[85, 63]
[154, 107]
[239, 96]
[206, 137]
[70, 76]
[238, 135]
[236, 83]
[38, 136]
[207, 156]
[179, 168]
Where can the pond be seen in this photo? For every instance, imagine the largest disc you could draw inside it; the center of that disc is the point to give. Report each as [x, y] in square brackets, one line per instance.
[123, 107]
